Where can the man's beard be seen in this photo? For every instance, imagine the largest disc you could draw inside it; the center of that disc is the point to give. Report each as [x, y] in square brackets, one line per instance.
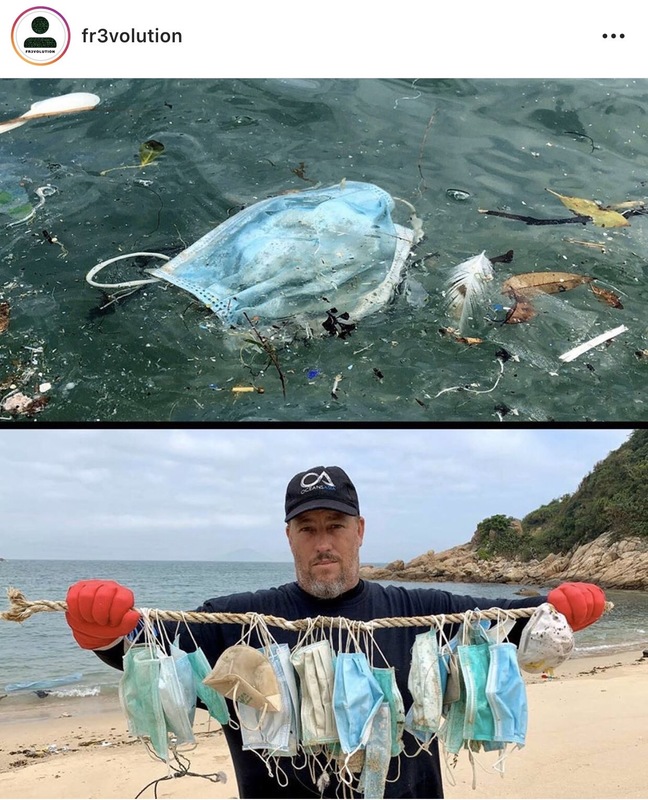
[327, 590]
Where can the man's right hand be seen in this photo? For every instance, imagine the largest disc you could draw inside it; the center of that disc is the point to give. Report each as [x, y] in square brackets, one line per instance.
[100, 613]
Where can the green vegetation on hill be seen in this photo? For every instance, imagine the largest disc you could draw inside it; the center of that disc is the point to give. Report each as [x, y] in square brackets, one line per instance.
[612, 498]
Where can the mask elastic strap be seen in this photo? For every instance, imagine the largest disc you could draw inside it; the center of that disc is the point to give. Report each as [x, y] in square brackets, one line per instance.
[241, 723]
[398, 771]
[124, 284]
[189, 631]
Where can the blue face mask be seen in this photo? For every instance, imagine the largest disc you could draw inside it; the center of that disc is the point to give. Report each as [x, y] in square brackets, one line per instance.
[506, 695]
[357, 696]
[294, 256]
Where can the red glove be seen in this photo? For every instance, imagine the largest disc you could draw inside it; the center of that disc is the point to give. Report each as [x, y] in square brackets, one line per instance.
[100, 613]
[581, 603]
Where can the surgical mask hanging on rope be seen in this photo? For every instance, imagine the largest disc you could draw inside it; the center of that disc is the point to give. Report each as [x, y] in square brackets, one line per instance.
[293, 257]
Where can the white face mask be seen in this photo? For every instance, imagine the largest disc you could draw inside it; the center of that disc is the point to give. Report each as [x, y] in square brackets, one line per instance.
[314, 665]
[274, 732]
[546, 641]
[424, 683]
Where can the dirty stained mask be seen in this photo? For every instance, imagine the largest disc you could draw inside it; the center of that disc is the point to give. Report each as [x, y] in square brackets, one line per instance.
[246, 676]
[296, 256]
[314, 666]
[424, 683]
[273, 732]
[546, 640]
[386, 678]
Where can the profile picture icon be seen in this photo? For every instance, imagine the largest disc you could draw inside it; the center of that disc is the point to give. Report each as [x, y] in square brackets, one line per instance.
[40, 35]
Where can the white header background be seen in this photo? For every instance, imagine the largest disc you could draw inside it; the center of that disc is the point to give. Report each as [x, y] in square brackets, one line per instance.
[346, 39]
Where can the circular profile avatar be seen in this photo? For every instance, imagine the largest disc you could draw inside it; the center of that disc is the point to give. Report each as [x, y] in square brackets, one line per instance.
[40, 35]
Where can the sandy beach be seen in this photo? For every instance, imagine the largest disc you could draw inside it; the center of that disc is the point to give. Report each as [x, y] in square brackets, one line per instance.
[587, 738]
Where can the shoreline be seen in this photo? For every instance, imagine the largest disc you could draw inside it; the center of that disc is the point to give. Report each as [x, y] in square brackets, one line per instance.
[586, 738]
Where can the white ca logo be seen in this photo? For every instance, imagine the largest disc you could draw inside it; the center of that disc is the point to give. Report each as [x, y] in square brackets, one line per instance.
[312, 479]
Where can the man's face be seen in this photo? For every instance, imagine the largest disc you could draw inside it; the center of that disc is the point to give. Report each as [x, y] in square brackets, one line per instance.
[326, 547]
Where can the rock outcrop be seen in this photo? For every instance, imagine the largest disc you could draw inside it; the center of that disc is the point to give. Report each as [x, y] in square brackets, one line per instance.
[611, 564]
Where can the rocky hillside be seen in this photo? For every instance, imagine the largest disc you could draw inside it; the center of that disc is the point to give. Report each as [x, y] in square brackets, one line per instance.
[611, 564]
[598, 534]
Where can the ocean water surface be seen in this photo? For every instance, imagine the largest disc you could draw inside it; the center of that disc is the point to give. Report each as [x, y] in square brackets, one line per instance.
[447, 147]
[42, 647]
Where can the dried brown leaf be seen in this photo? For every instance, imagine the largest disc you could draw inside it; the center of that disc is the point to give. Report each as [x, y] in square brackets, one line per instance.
[454, 334]
[4, 316]
[522, 311]
[529, 284]
[606, 296]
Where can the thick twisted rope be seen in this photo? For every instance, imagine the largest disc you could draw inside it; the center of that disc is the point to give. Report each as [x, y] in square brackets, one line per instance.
[21, 609]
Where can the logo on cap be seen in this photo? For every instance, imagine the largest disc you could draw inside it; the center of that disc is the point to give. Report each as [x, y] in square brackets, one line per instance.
[311, 480]
[40, 35]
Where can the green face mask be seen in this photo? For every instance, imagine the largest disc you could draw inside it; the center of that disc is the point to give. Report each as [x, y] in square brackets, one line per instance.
[386, 678]
[474, 660]
[139, 695]
[214, 700]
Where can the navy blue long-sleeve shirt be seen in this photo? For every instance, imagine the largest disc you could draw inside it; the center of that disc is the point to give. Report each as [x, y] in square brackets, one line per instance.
[420, 776]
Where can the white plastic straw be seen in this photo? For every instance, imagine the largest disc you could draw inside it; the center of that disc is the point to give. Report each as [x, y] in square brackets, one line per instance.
[570, 355]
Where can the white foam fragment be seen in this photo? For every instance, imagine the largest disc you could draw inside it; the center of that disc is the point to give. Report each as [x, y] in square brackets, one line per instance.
[570, 355]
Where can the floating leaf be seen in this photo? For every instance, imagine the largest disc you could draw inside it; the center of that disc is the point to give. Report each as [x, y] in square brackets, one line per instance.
[454, 334]
[529, 284]
[606, 218]
[522, 311]
[4, 316]
[149, 151]
[606, 296]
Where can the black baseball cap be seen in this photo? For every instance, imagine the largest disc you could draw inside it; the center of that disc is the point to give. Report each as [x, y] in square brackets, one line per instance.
[321, 487]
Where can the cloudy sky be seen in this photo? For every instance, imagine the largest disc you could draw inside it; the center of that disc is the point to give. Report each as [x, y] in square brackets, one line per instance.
[217, 494]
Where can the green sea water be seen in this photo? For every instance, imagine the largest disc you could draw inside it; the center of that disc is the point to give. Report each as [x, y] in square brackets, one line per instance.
[449, 147]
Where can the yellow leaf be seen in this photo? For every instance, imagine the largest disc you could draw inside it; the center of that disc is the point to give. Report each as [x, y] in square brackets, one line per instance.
[605, 218]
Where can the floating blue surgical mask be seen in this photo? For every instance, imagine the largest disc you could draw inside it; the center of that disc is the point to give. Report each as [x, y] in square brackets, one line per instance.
[424, 683]
[356, 699]
[386, 678]
[214, 700]
[314, 666]
[474, 660]
[139, 695]
[506, 694]
[378, 752]
[294, 256]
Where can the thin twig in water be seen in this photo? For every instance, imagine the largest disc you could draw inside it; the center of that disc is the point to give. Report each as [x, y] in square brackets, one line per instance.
[422, 185]
[271, 352]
